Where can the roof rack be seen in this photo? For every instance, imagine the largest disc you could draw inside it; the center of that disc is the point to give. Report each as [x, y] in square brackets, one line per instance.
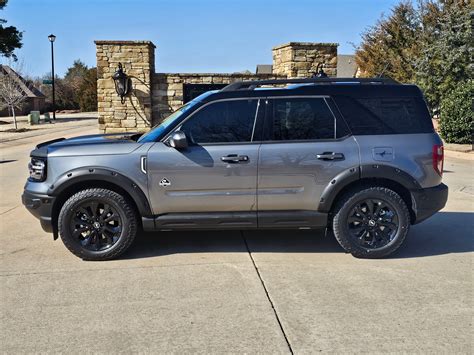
[251, 85]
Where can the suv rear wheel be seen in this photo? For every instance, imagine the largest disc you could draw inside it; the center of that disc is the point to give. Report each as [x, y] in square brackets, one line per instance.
[97, 224]
[371, 223]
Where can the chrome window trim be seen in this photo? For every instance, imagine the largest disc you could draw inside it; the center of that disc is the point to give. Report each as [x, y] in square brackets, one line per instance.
[328, 140]
[298, 97]
[333, 115]
[255, 120]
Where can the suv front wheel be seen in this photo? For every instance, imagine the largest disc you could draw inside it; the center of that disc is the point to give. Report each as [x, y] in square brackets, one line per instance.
[371, 223]
[97, 224]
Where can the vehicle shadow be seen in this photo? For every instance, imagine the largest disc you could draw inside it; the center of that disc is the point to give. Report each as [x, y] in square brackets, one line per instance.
[444, 233]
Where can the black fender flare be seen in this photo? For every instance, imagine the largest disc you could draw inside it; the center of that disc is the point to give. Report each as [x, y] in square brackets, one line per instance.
[94, 174]
[369, 171]
[335, 186]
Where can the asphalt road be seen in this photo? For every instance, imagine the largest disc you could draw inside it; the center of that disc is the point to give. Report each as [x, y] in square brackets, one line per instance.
[233, 292]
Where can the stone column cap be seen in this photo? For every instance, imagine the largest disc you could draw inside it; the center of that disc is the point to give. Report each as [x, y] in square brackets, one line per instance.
[115, 42]
[306, 44]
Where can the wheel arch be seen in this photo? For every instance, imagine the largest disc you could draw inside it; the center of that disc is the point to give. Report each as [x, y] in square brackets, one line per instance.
[370, 175]
[86, 178]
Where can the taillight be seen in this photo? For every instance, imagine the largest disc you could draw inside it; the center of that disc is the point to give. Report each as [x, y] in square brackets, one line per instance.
[438, 159]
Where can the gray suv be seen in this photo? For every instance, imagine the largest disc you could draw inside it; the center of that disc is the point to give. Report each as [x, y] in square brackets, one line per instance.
[358, 157]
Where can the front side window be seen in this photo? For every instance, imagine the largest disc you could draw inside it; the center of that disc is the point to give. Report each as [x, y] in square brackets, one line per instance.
[159, 130]
[302, 119]
[222, 122]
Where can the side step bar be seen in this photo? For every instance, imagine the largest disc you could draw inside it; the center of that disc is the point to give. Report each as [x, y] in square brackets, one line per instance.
[236, 220]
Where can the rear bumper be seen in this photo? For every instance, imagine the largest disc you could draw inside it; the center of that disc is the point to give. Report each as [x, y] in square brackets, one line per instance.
[40, 206]
[426, 202]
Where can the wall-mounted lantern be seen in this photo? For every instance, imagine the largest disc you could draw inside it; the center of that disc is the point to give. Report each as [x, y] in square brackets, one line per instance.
[123, 84]
[319, 72]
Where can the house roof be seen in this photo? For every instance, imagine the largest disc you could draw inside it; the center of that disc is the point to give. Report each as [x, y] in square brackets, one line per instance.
[264, 69]
[27, 88]
[346, 66]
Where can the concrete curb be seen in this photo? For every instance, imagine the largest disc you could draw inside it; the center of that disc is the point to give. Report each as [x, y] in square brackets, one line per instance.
[459, 155]
[464, 148]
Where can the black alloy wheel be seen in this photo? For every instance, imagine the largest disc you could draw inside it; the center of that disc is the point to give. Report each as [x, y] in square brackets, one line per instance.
[373, 223]
[96, 225]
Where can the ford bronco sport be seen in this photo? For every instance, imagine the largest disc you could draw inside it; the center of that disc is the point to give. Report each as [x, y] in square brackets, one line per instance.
[359, 157]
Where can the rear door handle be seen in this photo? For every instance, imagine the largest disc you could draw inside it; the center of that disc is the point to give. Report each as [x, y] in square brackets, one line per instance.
[330, 156]
[234, 158]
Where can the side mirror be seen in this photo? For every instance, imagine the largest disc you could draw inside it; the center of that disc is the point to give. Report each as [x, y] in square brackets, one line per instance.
[178, 140]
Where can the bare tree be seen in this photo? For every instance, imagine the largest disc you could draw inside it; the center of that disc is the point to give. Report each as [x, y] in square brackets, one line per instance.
[12, 90]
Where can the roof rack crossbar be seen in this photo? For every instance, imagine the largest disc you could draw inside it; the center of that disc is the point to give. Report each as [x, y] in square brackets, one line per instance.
[251, 85]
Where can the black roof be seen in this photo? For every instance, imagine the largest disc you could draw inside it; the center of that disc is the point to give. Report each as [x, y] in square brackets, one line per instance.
[327, 86]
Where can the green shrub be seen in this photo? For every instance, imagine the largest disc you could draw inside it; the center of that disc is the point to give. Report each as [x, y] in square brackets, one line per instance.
[456, 120]
[86, 95]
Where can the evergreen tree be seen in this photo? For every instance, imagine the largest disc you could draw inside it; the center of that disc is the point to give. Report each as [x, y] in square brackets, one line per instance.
[427, 44]
[390, 47]
[10, 37]
[87, 93]
[444, 61]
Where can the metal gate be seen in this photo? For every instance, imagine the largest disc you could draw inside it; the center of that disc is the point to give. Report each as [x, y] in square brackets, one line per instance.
[192, 91]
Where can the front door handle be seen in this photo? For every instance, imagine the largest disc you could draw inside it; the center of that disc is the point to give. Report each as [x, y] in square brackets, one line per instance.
[234, 158]
[330, 156]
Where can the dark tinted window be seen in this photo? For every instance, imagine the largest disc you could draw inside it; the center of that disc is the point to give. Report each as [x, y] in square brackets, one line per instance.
[342, 130]
[385, 115]
[221, 122]
[302, 119]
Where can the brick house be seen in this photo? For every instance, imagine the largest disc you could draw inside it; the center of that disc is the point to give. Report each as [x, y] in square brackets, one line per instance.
[35, 100]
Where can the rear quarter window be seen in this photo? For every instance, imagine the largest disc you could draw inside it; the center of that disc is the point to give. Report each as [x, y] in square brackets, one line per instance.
[385, 115]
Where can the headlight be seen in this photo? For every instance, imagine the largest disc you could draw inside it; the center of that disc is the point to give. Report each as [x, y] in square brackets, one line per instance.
[37, 169]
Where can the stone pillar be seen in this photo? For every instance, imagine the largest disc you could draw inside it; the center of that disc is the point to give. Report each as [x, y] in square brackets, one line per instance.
[138, 60]
[300, 59]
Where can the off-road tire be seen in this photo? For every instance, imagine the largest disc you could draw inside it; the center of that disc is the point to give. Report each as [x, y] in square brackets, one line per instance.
[121, 205]
[345, 205]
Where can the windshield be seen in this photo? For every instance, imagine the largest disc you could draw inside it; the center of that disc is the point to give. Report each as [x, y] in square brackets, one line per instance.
[157, 131]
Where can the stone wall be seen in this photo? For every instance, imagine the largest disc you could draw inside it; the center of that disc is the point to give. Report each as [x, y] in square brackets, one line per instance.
[168, 88]
[300, 59]
[138, 60]
[155, 95]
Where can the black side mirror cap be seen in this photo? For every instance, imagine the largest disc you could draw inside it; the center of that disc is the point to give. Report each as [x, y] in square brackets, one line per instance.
[178, 140]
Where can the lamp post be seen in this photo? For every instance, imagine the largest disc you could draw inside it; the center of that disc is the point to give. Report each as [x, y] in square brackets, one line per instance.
[51, 38]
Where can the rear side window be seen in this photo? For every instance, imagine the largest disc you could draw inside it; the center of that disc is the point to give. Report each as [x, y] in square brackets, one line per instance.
[301, 119]
[375, 115]
[222, 122]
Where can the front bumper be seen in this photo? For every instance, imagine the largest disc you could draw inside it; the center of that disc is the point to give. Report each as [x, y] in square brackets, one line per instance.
[40, 206]
[426, 202]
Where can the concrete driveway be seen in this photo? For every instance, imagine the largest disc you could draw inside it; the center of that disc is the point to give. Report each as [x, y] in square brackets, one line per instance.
[234, 292]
